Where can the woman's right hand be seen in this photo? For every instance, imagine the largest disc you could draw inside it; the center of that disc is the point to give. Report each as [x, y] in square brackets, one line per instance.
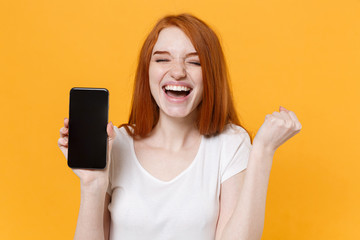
[91, 179]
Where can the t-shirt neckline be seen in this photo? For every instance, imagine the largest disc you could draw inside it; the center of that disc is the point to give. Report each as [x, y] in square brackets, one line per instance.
[142, 169]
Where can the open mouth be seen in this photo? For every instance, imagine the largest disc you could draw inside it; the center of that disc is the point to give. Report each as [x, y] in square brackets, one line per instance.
[177, 91]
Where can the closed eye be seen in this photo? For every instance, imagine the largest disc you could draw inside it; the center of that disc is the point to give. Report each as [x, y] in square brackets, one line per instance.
[196, 63]
[161, 60]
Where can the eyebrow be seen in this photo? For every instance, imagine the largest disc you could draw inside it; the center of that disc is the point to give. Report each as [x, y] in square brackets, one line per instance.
[166, 52]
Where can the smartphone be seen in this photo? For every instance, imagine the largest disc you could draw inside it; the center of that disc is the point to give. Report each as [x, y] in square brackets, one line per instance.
[88, 118]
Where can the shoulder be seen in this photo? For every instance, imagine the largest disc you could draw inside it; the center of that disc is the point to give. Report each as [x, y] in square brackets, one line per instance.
[234, 135]
[122, 140]
[231, 129]
[121, 132]
[233, 141]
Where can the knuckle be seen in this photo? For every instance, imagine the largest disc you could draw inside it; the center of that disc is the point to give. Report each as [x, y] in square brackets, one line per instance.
[271, 117]
[62, 141]
[284, 113]
[63, 131]
[275, 114]
[274, 120]
[282, 123]
[288, 124]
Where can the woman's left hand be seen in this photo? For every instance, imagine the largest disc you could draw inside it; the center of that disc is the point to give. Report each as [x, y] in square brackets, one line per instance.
[277, 128]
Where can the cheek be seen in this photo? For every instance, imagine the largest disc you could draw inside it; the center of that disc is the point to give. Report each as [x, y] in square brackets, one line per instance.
[154, 81]
[199, 79]
[156, 72]
[153, 78]
[154, 89]
[152, 74]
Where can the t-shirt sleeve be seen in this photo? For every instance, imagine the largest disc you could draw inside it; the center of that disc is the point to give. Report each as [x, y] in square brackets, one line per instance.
[235, 152]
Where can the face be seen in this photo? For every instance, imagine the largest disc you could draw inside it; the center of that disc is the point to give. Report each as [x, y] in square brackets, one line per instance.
[175, 74]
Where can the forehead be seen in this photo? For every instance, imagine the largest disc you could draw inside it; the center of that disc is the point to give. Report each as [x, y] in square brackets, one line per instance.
[173, 40]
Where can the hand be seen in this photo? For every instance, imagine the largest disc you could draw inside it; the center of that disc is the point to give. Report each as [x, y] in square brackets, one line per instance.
[277, 128]
[94, 178]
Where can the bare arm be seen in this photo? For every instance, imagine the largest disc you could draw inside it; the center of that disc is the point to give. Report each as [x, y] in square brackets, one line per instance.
[94, 217]
[107, 217]
[247, 219]
[229, 196]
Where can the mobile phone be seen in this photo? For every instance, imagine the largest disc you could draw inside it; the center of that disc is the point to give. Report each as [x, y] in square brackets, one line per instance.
[88, 118]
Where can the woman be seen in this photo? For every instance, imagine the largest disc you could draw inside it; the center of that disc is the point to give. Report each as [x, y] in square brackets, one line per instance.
[183, 167]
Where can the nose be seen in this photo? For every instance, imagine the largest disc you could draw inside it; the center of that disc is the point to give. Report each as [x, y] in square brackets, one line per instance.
[178, 70]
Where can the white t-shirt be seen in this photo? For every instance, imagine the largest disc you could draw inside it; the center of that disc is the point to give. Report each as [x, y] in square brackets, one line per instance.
[185, 208]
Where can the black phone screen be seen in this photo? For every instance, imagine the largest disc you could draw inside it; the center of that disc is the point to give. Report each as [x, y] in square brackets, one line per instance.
[88, 117]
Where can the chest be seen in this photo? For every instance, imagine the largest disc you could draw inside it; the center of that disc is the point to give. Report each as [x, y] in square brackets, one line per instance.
[163, 164]
[185, 208]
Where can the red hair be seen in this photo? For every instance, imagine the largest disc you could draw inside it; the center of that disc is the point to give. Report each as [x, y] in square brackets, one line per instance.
[216, 108]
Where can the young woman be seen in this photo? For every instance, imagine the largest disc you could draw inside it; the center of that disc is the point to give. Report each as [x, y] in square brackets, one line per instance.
[183, 167]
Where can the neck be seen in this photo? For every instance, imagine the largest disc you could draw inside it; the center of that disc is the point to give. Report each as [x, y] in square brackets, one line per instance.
[176, 133]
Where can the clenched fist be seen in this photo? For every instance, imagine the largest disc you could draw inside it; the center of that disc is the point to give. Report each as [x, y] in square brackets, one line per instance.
[277, 128]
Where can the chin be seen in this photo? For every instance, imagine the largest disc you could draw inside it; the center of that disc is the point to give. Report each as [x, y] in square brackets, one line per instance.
[177, 113]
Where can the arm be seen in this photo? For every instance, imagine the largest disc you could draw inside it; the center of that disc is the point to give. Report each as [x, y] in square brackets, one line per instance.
[246, 221]
[246, 194]
[229, 196]
[107, 217]
[94, 217]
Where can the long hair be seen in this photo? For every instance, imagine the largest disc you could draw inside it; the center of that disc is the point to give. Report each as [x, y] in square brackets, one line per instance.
[216, 109]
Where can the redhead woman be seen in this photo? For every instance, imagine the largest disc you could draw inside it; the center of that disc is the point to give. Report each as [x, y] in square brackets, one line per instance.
[183, 167]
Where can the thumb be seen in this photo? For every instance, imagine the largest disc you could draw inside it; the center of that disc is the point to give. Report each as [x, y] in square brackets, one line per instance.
[283, 109]
[110, 131]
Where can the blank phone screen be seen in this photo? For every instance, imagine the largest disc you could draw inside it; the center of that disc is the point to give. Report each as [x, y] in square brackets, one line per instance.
[88, 117]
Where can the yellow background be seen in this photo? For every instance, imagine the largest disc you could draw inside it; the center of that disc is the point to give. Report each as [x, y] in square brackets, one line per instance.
[301, 54]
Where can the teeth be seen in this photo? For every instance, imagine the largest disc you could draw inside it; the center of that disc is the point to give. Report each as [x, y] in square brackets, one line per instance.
[176, 88]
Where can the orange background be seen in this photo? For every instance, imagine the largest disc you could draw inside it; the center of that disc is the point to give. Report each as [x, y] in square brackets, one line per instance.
[303, 55]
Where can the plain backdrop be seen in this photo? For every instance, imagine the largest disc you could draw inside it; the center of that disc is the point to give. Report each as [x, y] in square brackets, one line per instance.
[303, 55]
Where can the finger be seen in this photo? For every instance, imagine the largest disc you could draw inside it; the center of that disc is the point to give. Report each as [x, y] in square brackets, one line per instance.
[293, 116]
[273, 117]
[285, 115]
[281, 115]
[281, 109]
[62, 142]
[295, 119]
[276, 114]
[64, 132]
[66, 122]
[110, 131]
[111, 136]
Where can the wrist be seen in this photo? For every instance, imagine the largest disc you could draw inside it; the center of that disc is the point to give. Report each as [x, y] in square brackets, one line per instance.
[263, 149]
[96, 186]
[261, 158]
